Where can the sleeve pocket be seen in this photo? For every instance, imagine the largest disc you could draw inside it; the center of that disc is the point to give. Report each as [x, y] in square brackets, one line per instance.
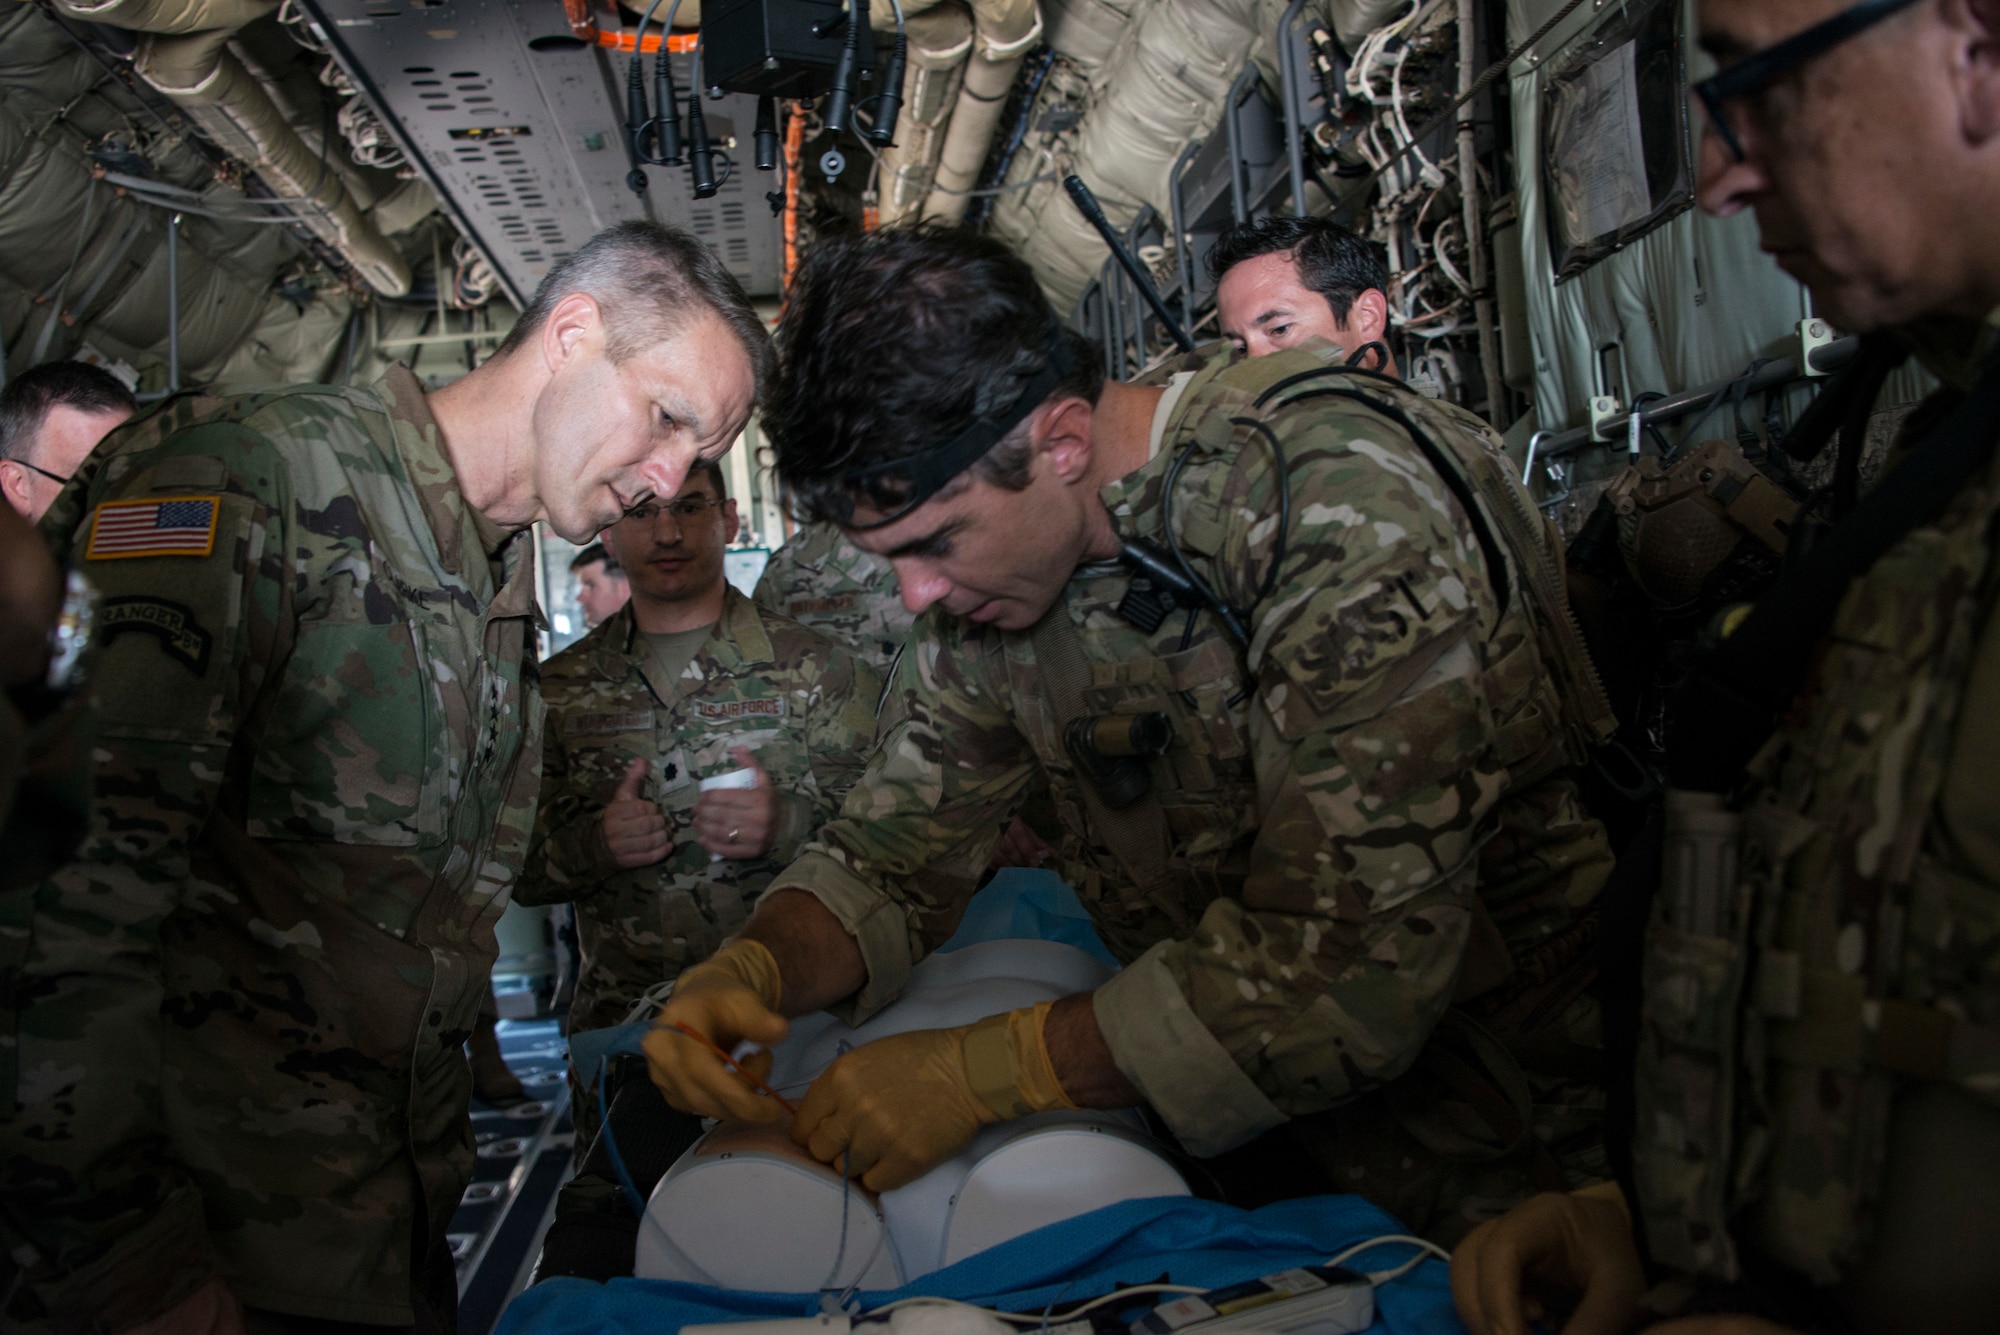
[338, 759]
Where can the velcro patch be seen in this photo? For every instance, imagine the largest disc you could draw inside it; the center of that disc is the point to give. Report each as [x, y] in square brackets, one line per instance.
[155, 526]
[636, 721]
[774, 707]
[173, 624]
[839, 602]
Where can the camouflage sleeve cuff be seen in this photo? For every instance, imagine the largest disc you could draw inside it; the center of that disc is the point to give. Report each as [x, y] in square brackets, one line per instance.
[798, 820]
[578, 856]
[875, 921]
[145, 1272]
[1188, 1077]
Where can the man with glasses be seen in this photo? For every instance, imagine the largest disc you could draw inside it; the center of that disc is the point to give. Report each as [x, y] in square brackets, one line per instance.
[1816, 1055]
[688, 683]
[51, 418]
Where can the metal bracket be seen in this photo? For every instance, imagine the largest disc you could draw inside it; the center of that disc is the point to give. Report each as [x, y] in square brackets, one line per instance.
[1534, 448]
[1607, 419]
[1813, 335]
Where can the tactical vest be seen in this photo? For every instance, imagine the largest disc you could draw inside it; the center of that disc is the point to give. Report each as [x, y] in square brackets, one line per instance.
[1181, 846]
[1810, 957]
[1518, 544]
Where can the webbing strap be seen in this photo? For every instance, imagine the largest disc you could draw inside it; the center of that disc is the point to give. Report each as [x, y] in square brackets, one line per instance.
[1137, 834]
[1730, 703]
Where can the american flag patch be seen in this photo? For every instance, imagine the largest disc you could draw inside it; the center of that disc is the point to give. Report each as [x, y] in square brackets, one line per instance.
[156, 526]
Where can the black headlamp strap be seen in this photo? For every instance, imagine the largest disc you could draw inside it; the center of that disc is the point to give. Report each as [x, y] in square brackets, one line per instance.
[907, 483]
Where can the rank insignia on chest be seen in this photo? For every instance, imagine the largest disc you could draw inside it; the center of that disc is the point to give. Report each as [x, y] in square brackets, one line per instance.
[155, 526]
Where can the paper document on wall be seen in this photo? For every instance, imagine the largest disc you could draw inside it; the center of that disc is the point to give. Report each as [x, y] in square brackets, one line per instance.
[1597, 155]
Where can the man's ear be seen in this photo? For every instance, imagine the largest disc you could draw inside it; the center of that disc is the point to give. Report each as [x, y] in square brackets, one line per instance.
[14, 483]
[730, 522]
[1067, 438]
[1975, 30]
[574, 330]
[1368, 317]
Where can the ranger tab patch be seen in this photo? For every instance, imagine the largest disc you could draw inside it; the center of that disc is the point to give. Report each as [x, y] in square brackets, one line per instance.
[173, 624]
[156, 526]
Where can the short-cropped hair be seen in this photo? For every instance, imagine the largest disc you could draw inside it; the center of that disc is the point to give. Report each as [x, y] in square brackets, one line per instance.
[713, 471]
[30, 395]
[1331, 260]
[894, 342]
[648, 280]
[593, 554]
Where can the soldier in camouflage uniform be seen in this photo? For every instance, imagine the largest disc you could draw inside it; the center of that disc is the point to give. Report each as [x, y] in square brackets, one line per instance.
[1315, 875]
[237, 1068]
[631, 736]
[821, 580]
[1818, 1054]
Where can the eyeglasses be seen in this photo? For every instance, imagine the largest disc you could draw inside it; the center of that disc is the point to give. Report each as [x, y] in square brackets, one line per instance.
[684, 511]
[1754, 73]
[32, 468]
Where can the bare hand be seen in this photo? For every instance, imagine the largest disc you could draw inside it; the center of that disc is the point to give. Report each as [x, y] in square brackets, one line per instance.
[738, 822]
[1022, 847]
[635, 833]
[1551, 1245]
[210, 1310]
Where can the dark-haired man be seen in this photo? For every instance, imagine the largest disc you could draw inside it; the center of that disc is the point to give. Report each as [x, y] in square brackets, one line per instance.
[51, 418]
[687, 682]
[235, 1070]
[1357, 812]
[1280, 281]
[601, 586]
[1818, 1053]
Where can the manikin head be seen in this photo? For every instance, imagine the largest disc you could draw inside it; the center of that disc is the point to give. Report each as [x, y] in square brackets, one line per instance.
[1873, 166]
[894, 344]
[645, 359]
[1282, 280]
[601, 587]
[671, 551]
[51, 417]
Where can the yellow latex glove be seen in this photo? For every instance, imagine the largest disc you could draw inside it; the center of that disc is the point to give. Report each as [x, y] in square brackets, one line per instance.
[732, 996]
[900, 1106]
[1570, 1250]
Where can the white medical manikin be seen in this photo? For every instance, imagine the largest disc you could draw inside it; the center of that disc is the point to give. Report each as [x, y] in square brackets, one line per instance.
[747, 1209]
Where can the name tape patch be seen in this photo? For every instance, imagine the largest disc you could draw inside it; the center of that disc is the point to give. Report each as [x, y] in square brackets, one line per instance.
[728, 709]
[155, 526]
[838, 602]
[637, 721]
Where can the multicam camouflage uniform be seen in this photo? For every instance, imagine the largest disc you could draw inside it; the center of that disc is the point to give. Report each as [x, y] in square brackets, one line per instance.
[821, 580]
[1329, 817]
[1822, 1036]
[803, 704]
[240, 1012]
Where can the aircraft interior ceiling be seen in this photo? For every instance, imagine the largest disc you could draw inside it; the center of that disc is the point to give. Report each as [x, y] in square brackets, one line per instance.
[327, 185]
